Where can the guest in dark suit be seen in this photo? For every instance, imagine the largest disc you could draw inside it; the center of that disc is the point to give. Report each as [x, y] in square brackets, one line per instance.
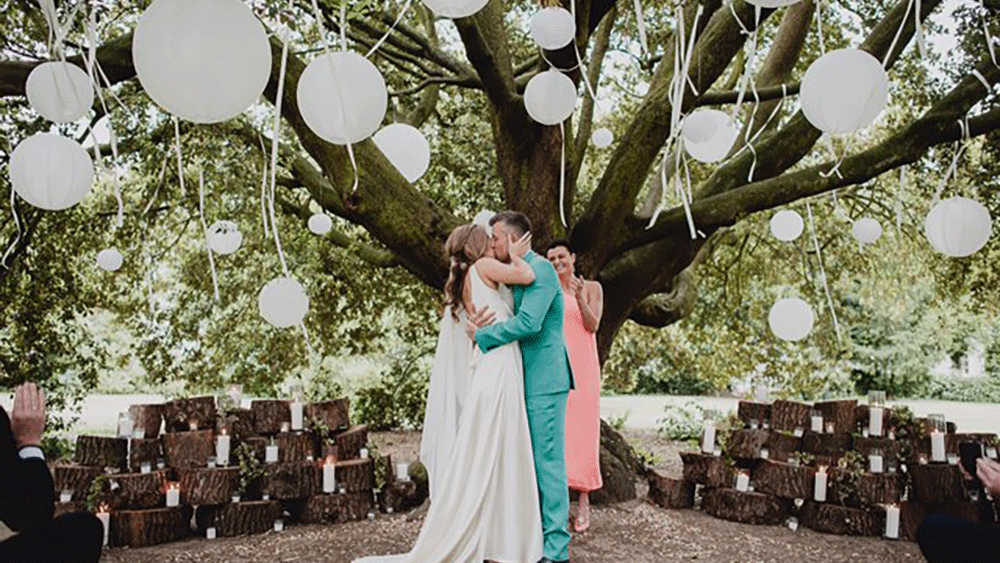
[27, 495]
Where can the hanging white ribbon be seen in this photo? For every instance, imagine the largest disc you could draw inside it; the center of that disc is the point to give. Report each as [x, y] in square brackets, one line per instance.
[822, 271]
[392, 28]
[562, 174]
[91, 62]
[204, 226]
[986, 33]
[180, 158]
[899, 32]
[959, 149]
[275, 137]
[17, 223]
[639, 22]
[899, 198]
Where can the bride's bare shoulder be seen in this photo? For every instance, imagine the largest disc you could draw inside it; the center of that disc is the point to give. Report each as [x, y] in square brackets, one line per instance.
[486, 268]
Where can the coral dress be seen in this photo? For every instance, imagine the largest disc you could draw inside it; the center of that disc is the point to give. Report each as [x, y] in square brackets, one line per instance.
[583, 406]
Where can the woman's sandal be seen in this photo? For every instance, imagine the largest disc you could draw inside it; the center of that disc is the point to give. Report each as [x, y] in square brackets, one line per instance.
[582, 520]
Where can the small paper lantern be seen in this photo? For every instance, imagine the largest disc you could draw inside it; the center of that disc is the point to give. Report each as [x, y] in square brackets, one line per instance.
[791, 319]
[958, 227]
[283, 302]
[773, 3]
[406, 148]
[718, 131]
[550, 97]
[60, 92]
[320, 223]
[205, 61]
[342, 97]
[224, 237]
[455, 8]
[843, 91]
[866, 230]
[602, 138]
[109, 259]
[50, 171]
[552, 28]
[786, 225]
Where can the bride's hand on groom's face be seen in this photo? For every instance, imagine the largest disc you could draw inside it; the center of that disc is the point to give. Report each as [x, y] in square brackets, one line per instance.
[519, 247]
[478, 319]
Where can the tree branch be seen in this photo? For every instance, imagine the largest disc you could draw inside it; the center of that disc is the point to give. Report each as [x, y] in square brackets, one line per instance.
[763, 94]
[602, 40]
[115, 57]
[486, 48]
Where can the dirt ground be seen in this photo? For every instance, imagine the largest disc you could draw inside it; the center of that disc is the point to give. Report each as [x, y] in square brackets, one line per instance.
[633, 532]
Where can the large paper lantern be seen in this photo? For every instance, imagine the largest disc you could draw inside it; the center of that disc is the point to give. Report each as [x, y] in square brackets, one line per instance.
[866, 230]
[550, 97]
[205, 61]
[60, 92]
[50, 171]
[320, 223]
[224, 237]
[283, 302]
[406, 148]
[109, 259]
[455, 8]
[791, 319]
[552, 28]
[958, 226]
[844, 90]
[786, 225]
[342, 97]
[773, 3]
[709, 135]
[602, 138]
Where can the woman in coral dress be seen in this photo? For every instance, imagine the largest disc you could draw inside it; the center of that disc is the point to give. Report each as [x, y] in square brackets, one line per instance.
[584, 304]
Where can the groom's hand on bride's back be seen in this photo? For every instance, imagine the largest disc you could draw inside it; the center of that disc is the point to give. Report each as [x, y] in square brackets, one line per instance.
[478, 319]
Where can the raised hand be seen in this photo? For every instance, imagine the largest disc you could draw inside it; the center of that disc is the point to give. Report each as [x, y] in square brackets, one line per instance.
[988, 472]
[576, 286]
[519, 247]
[27, 419]
[478, 319]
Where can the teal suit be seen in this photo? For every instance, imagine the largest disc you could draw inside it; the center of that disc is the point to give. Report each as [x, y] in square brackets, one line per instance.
[538, 325]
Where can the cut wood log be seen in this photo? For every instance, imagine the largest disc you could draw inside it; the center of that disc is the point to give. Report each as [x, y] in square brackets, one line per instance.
[781, 445]
[258, 445]
[282, 481]
[911, 514]
[880, 488]
[148, 450]
[102, 451]
[784, 480]
[400, 496]
[746, 507]
[238, 518]
[706, 469]
[350, 441]
[181, 415]
[75, 478]
[890, 449]
[208, 485]
[841, 413]
[842, 520]
[790, 415]
[936, 483]
[333, 509]
[951, 441]
[68, 508]
[356, 474]
[753, 413]
[670, 493]
[183, 450]
[830, 446]
[746, 444]
[134, 491]
[295, 446]
[335, 414]
[139, 528]
[269, 415]
[238, 423]
[148, 418]
[861, 418]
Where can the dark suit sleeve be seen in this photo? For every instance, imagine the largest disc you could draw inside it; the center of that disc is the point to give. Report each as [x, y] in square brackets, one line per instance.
[27, 495]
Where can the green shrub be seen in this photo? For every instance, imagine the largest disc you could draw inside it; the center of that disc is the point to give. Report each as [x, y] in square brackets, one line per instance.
[398, 400]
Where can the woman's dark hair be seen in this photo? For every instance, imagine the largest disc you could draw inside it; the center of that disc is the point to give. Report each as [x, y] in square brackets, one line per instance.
[513, 219]
[560, 242]
[465, 245]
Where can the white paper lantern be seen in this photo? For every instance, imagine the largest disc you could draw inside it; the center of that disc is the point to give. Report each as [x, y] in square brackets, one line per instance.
[844, 90]
[791, 319]
[224, 237]
[342, 97]
[786, 225]
[455, 8]
[958, 227]
[283, 302]
[773, 3]
[550, 97]
[866, 230]
[109, 259]
[552, 28]
[602, 138]
[60, 92]
[50, 171]
[320, 223]
[205, 61]
[717, 130]
[406, 148]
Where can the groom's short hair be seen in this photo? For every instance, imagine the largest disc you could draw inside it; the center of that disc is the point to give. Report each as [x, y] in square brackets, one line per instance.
[516, 220]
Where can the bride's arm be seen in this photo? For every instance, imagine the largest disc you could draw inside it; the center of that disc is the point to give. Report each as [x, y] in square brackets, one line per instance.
[518, 272]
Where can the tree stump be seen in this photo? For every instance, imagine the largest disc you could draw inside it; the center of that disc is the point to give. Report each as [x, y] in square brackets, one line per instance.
[750, 412]
[208, 485]
[841, 413]
[102, 451]
[749, 508]
[139, 528]
[879, 488]
[134, 491]
[350, 441]
[295, 446]
[670, 493]
[75, 478]
[861, 417]
[284, 481]
[332, 414]
[746, 444]
[326, 509]
[356, 474]
[706, 469]
[911, 514]
[834, 519]
[781, 445]
[181, 415]
[619, 467]
[269, 415]
[148, 450]
[238, 518]
[789, 415]
[238, 423]
[148, 418]
[62, 508]
[832, 446]
[188, 449]
[400, 496]
[936, 483]
[891, 449]
[784, 480]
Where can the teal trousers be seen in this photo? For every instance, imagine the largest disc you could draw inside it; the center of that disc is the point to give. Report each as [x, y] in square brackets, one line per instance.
[547, 423]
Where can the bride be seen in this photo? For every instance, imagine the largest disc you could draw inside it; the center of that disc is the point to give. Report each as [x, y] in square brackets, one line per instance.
[485, 496]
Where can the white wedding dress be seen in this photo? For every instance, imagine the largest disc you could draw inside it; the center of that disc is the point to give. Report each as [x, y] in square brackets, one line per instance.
[485, 505]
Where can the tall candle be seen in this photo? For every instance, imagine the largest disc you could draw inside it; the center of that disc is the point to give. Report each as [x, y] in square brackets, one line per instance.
[875, 421]
[875, 463]
[173, 494]
[937, 446]
[222, 443]
[403, 471]
[819, 487]
[708, 439]
[742, 481]
[296, 415]
[817, 424]
[329, 476]
[271, 453]
[105, 519]
[892, 522]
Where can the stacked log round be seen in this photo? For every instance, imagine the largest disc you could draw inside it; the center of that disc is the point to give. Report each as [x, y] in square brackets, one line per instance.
[670, 493]
[746, 444]
[840, 413]
[184, 450]
[148, 450]
[746, 507]
[76, 479]
[399, 496]
[335, 415]
[753, 413]
[238, 423]
[238, 518]
[784, 479]
[936, 483]
[295, 446]
[356, 474]
[270, 415]
[148, 418]
[102, 451]
[208, 485]
[134, 490]
[139, 528]
[181, 415]
[282, 481]
[842, 520]
[706, 469]
[790, 416]
[349, 442]
[781, 445]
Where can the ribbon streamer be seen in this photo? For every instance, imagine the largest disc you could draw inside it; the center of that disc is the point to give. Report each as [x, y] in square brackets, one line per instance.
[392, 28]
[180, 159]
[959, 149]
[17, 222]
[899, 32]
[822, 271]
[204, 226]
[639, 22]
[562, 174]
[274, 148]
[899, 198]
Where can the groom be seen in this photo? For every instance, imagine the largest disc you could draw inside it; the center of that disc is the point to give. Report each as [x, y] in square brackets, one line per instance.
[538, 326]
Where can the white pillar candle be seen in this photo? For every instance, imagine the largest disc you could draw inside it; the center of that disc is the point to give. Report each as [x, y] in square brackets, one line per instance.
[708, 439]
[173, 495]
[265, 496]
[210, 533]
[364, 453]
[937, 446]
[105, 519]
[875, 421]
[222, 443]
[742, 481]
[892, 522]
[819, 487]
[329, 476]
[65, 496]
[279, 525]
[817, 424]
[271, 453]
[145, 467]
[875, 463]
[296, 415]
[403, 471]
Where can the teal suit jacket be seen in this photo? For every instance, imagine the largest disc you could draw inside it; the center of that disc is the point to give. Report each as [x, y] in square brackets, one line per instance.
[538, 325]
